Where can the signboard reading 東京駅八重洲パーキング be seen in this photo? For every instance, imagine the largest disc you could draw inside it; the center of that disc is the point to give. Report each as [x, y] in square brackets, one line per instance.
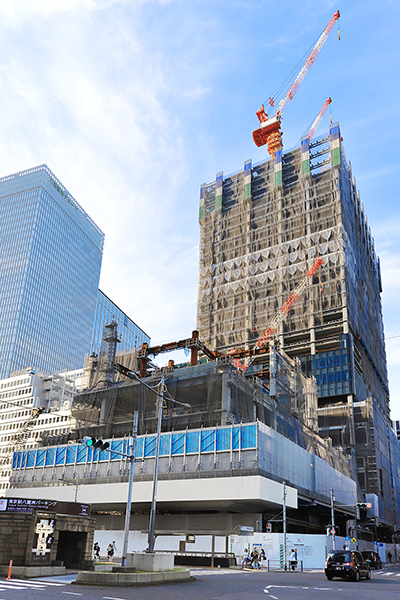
[28, 505]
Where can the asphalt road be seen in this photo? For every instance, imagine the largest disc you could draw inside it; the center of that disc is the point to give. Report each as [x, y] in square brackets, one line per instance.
[222, 584]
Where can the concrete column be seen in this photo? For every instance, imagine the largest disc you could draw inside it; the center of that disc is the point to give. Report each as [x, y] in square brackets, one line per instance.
[226, 394]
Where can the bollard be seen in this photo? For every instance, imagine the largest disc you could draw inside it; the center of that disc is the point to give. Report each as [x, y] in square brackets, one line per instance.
[9, 570]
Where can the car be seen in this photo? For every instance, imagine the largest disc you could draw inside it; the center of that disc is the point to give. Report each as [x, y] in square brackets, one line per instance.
[346, 564]
[372, 558]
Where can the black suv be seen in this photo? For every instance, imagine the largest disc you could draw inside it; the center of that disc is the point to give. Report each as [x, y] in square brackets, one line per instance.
[347, 564]
[372, 558]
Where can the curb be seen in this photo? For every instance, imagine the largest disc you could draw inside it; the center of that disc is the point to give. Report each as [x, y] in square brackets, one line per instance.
[107, 579]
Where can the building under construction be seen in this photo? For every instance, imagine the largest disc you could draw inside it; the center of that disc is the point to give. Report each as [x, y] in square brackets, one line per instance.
[262, 229]
[227, 445]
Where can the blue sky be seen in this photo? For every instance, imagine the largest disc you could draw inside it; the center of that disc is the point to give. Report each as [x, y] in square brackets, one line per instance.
[134, 104]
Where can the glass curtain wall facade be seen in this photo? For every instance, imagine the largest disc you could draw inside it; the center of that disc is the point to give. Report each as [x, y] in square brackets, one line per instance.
[50, 260]
[130, 334]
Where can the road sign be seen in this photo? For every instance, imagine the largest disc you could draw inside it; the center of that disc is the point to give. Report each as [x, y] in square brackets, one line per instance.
[354, 540]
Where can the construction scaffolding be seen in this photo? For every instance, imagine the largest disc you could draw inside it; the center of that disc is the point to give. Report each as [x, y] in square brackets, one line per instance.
[261, 230]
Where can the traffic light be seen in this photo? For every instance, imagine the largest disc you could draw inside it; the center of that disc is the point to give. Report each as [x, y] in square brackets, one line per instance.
[92, 442]
[361, 511]
[269, 528]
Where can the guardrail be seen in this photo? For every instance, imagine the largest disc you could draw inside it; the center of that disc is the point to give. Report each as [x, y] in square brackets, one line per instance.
[202, 559]
[277, 565]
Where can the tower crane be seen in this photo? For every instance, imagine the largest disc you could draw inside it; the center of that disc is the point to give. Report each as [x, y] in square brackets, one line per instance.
[311, 132]
[270, 130]
[279, 317]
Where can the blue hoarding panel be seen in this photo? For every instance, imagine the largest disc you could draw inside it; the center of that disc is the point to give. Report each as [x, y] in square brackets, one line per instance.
[16, 460]
[150, 446]
[40, 457]
[30, 460]
[192, 442]
[249, 436]
[139, 448]
[71, 455]
[60, 456]
[81, 454]
[50, 457]
[165, 445]
[178, 443]
[235, 438]
[223, 439]
[117, 445]
[208, 441]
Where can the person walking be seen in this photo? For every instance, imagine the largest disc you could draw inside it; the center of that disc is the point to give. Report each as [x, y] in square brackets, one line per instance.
[96, 551]
[110, 551]
[292, 559]
[263, 558]
[255, 559]
[245, 558]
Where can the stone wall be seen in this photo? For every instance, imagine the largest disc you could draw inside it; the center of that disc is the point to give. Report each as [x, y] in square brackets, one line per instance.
[17, 537]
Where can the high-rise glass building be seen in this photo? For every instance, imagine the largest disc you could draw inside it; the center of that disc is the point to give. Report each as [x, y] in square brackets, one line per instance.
[130, 334]
[50, 260]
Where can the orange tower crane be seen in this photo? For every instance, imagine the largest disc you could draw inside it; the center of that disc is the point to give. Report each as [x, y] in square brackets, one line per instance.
[270, 331]
[270, 130]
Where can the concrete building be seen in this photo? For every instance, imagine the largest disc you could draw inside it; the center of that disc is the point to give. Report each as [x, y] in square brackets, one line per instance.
[50, 259]
[34, 410]
[261, 231]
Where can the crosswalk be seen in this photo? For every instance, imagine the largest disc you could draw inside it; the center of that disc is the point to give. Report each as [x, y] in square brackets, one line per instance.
[24, 584]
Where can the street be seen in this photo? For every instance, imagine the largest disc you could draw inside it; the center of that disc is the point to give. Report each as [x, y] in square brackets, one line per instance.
[223, 584]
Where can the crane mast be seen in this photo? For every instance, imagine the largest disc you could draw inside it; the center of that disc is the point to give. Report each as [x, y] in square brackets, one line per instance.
[269, 332]
[270, 131]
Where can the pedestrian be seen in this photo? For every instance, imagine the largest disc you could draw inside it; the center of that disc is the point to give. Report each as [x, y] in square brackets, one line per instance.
[245, 558]
[263, 558]
[96, 551]
[292, 559]
[255, 559]
[390, 557]
[114, 547]
[110, 551]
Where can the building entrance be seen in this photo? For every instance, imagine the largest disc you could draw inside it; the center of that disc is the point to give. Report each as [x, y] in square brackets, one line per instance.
[71, 546]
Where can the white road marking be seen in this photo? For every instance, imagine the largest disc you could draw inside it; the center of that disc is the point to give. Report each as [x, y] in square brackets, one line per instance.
[44, 583]
[111, 598]
[11, 583]
[15, 587]
[72, 593]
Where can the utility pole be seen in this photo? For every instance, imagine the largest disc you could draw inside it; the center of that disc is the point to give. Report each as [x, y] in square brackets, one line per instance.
[159, 404]
[129, 500]
[333, 520]
[284, 525]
